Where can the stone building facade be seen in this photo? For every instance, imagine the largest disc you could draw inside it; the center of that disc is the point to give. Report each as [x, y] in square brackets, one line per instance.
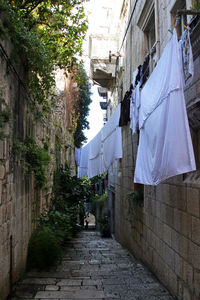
[20, 202]
[165, 232]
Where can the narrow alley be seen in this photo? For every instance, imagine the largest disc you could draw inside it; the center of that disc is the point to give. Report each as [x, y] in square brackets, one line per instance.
[93, 268]
[100, 126]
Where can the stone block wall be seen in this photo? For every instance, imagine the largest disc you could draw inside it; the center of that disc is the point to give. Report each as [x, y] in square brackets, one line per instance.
[20, 202]
[170, 236]
[164, 233]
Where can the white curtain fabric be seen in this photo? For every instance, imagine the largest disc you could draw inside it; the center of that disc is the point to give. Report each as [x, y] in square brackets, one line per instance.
[77, 156]
[165, 78]
[112, 147]
[165, 146]
[112, 139]
[95, 162]
[83, 168]
[103, 149]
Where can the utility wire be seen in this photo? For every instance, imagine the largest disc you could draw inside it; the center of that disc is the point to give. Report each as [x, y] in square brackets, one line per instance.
[11, 66]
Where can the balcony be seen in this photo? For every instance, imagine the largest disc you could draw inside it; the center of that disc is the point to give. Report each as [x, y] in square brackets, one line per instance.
[103, 72]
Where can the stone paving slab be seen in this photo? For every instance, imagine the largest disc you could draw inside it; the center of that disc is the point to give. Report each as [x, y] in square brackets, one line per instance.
[77, 294]
[92, 268]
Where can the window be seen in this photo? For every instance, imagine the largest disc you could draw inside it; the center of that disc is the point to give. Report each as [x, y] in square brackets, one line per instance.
[151, 40]
[146, 22]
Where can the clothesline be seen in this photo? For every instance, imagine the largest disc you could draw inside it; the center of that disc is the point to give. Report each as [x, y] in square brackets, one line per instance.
[158, 109]
[138, 79]
[103, 149]
[149, 53]
[165, 146]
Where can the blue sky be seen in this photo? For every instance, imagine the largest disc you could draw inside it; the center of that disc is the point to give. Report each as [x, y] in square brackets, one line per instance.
[95, 117]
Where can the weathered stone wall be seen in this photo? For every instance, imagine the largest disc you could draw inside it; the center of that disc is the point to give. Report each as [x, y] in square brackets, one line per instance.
[20, 202]
[166, 232]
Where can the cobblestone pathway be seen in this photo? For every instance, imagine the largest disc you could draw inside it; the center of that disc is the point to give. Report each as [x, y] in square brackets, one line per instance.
[93, 268]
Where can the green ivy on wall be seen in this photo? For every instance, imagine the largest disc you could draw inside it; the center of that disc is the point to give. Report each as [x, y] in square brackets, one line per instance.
[35, 158]
[5, 116]
[135, 205]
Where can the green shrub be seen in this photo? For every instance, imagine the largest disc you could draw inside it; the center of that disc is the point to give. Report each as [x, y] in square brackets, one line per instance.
[69, 195]
[100, 202]
[43, 250]
[59, 223]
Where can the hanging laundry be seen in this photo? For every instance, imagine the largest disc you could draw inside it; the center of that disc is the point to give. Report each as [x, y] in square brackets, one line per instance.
[165, 78]
[134, 109]
[187, 56]
[100, 187]
[144, 71]
[105, 182]
[83, 168]
[165, 146]
[112, 139]
[77, 156]
[134, 76]
[105, 147]
[95, 162]
[125, 109]
[137, 79]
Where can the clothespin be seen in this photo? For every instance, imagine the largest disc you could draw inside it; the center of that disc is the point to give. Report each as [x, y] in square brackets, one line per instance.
[186, 27]
[171, 31]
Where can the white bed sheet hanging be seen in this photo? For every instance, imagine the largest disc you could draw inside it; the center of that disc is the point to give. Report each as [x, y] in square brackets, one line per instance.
[95, 162]
[165, 146]
[77, 156]
[112, 139]
[83, 168]
[165, 78]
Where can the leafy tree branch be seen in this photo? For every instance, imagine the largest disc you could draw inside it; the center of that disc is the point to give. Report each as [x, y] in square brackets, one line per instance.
[82, 108]
[48, 34]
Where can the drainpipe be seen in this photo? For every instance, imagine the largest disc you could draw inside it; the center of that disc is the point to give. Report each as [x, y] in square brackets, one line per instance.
[11, 262]
[157, 30]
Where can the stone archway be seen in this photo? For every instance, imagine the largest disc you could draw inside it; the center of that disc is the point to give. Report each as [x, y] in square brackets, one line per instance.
[89, 221]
